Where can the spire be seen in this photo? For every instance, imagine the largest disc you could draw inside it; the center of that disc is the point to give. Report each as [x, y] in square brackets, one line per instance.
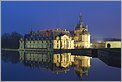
[80, 18]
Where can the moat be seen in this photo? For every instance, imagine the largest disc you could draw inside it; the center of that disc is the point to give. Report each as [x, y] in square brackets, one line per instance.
[60, 66]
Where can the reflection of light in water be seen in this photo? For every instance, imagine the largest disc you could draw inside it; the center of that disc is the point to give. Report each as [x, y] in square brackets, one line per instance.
[82, 64]
[66, 59]
[83, 61]
[62, 61]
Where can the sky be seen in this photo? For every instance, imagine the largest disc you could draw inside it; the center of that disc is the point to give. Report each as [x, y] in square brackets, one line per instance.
[102, 17]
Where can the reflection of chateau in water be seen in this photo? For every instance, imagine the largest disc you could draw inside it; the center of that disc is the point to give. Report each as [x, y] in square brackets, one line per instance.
[56, 62]
[82, 64]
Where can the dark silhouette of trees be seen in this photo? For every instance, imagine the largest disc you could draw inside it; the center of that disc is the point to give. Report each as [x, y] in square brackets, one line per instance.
[10, 40]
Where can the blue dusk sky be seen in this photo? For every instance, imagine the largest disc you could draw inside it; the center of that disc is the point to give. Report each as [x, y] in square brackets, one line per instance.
[103, 17]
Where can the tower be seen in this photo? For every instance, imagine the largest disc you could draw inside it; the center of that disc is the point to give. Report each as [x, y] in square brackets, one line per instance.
[81, 35]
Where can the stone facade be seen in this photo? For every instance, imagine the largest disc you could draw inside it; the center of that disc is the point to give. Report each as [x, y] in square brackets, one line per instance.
[57, 38]
[112, 44]
[48, 39]
[36, 41]
[63, 42]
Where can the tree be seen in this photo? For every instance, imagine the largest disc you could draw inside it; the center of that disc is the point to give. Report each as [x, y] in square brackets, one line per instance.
[10, 40]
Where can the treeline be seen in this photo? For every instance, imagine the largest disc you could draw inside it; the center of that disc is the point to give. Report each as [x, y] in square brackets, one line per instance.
[10, 40]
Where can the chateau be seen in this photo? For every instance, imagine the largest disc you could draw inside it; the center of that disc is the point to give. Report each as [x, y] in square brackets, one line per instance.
[57, 38]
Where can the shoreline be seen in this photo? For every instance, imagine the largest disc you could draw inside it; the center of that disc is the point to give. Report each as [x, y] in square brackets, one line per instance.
[8, 49]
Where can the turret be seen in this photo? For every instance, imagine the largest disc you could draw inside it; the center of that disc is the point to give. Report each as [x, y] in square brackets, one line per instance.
[21, 43]
[86, 27]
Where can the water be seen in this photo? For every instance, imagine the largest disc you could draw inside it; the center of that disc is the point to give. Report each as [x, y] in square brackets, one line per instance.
[49, 66]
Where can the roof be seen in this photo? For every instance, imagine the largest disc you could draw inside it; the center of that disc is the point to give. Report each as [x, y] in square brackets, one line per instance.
[85, 32]
[61, 34]
[112, 39]
[46, 34]
[78, 26]
[36, 37]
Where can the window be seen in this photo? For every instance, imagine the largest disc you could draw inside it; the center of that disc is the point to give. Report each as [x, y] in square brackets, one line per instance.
[108, 45]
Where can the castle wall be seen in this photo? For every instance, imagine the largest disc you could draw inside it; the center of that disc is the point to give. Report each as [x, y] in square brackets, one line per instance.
[113, 44]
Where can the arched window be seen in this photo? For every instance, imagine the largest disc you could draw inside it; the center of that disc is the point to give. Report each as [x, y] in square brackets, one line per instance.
[108, 45]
